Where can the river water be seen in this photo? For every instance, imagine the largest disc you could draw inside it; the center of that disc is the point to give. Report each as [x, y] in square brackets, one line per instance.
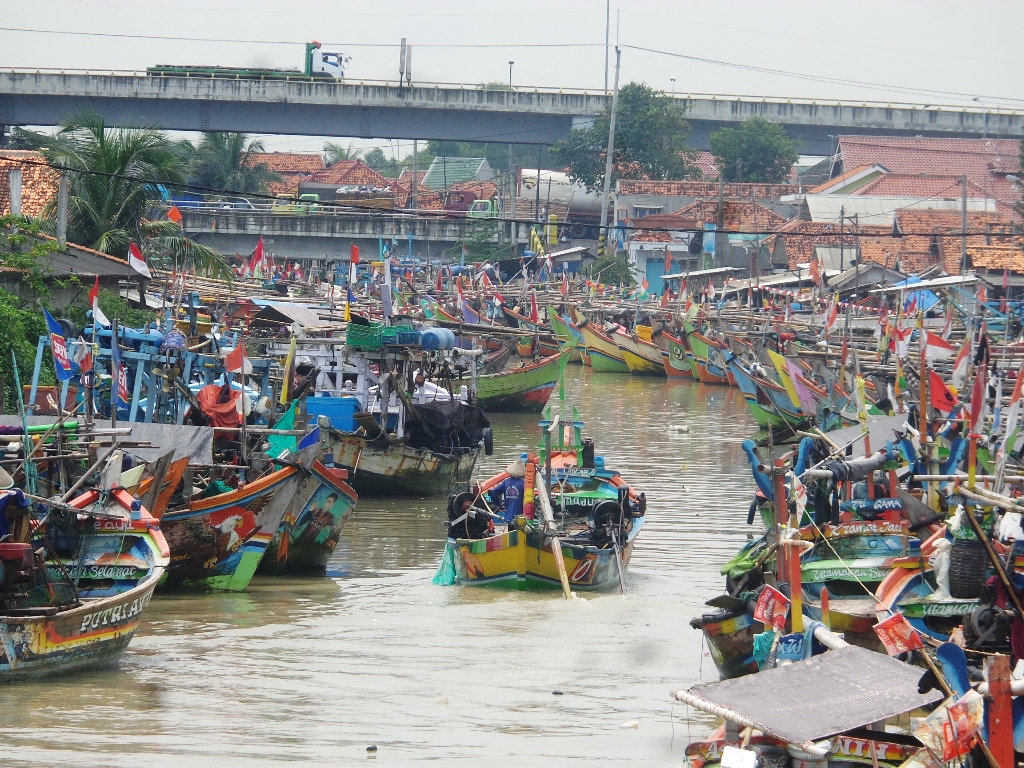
[315, 670]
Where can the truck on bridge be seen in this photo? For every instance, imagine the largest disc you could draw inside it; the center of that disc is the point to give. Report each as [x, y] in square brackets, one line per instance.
[320, 65]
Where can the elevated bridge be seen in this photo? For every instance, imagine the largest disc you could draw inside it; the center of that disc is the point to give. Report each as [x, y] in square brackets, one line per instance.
[442, 111]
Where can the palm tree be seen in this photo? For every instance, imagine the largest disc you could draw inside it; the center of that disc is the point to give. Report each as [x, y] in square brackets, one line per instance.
[231, 162]
[335, 153]
[116, 175]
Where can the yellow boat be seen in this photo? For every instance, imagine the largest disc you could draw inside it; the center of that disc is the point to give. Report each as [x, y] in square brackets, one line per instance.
[642, 357]
[603, 353]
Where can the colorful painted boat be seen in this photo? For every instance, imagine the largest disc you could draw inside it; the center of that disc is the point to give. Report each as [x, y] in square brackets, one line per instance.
[81, 616]
[309, 532]
[544, 345]
[522, 390]
[709, 357]
[569, 335]
[730, 638]
[604, 354]
[601, 516]
[759, 404]
[642, 357]
[217, 542]
[677, 359]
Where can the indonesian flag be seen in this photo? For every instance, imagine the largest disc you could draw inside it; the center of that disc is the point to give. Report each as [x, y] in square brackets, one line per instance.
[961, 364]
[910, 308]
[485, 281]
[256, 257]
[900, 343]
[498, 299]
[935, 347]
[947, 329]
[534, 314]
[978, 400]
[137, 262]
[94, 301]
[832, 316]
[236, 362]
[815, 272]
[1013, 431]
[942, 396]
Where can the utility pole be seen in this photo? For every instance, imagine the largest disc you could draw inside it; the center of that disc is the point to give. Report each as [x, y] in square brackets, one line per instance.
[607, 31]
[842, 238]
[415, 176]
[963, 225]
[603, 237]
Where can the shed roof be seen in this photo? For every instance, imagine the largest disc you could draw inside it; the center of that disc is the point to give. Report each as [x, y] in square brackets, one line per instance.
[445, 171]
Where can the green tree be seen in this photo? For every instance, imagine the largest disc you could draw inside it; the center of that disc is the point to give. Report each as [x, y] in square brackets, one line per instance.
[380, 162]
[335, 153]
[757, 151]
[650, 141]
[115, 177]
[231, 162]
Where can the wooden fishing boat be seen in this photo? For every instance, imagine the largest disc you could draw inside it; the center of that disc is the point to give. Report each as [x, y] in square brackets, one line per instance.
[600, 513]
[641, 357]
[309, 532]
[78, 610]
[544, 345]
[604, 354]
[760, 405]
[217, 542]
[522, 390]
[568, 334]
[677, 359]
[709, 358]
[730, 638]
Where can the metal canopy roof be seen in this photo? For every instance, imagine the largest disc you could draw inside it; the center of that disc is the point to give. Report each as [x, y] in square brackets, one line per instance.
[881, 429]
[937, 282]
[701, 273]
[284, 312]
[818, 698]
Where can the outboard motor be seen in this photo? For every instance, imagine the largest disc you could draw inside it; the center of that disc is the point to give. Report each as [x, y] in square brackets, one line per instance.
[464, 520]
[588, 453]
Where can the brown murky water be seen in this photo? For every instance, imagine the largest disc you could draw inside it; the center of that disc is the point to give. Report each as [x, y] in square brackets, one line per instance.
[315, 670]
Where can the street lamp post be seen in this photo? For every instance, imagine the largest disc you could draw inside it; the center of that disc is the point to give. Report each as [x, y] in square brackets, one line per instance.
[673, 86]
[510, 74]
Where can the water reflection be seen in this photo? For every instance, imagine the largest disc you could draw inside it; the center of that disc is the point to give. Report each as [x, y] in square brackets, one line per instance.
[316, 669]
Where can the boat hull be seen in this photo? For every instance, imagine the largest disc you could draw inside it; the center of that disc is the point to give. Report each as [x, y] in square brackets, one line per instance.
[730, 639]
[523, 559]
[308, 534]
[676, 359]
[605, 356]
[522, 390]
[642, 359]
[397, 469]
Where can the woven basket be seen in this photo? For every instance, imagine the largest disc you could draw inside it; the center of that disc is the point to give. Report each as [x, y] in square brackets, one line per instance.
[968, 569]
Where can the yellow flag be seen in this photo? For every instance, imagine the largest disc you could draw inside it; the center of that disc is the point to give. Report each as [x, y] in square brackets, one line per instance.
[785, 379]
[860, 398]
[348, 312]
[289, 371]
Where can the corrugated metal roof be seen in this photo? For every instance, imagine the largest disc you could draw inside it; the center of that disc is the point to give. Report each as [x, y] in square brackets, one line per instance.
[445, 171]
[879, 211]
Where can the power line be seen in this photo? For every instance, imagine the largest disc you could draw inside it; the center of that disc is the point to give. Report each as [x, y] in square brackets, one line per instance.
[293, 42]
[820, 78]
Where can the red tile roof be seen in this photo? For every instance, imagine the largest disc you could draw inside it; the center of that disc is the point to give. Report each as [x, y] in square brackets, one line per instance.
[288, 162]
[484, 190]
[737, 215]
[704, 189]
[353, 172]
[985, 161]
[997, 257]
[920, 185]
[706, 162]
[38, 181]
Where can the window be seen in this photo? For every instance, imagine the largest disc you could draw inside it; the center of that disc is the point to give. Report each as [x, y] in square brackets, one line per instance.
[639, 211]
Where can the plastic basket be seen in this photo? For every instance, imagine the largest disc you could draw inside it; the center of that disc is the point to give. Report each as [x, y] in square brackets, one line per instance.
[401, 334]
[367, 337]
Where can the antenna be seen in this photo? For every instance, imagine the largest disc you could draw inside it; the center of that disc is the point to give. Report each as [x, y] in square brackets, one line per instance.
[408, 65]
[401, 63]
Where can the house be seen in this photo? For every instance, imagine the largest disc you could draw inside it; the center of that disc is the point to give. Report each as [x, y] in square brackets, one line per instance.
[292, 167]
[445, 171]
[641, 197]
[38, 181]
[351, 182]
[987, 163]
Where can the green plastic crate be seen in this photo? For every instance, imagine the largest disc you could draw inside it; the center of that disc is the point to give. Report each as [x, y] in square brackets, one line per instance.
[366, 337]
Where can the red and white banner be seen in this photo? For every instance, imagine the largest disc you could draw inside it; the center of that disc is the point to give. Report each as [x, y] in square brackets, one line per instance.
[772, 608]
[897, 635]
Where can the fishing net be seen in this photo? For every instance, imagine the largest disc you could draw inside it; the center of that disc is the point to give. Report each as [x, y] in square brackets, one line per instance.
[445, 575]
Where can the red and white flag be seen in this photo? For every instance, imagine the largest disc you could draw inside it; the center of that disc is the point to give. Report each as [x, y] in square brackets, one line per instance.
[935, 347]
[961, 364]
[94, 301]
[832, 315]
[900, 340]
[534, 313]
[236, 362]
[256, 257]
[772, 607]
[137, 262]
[978, 400]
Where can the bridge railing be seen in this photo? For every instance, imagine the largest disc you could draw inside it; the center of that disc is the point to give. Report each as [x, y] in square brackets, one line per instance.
[975, 108]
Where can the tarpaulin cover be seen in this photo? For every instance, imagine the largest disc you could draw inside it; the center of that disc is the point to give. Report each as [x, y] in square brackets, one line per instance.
[447, 426]
[194, 442]
[881, 429]
[219, 406]
[822, 696]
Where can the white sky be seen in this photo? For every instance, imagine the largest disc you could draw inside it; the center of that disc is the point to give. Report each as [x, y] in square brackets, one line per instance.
[918, 48]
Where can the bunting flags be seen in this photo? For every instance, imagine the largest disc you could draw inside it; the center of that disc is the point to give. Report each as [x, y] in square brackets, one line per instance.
[137, 262]
[59, 348]
[98, 317]
[935, 347]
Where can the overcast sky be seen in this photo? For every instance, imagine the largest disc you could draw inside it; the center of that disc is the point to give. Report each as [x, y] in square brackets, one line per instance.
[922, 51]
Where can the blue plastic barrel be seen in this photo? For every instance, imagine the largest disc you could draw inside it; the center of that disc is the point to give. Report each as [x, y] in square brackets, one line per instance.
[340, 410]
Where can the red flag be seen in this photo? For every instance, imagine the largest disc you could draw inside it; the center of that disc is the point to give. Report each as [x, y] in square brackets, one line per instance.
[534, 314]
[485, 281]
[668, 261]
[978, 398]
[437, 285]
[256, 257]
[565, 283]
[353, 253]
[235, 359]
[942, 396]
[137, 262]
[982, 294]
[174, 214]
[832, 316]
[664, 298]
[815, 271]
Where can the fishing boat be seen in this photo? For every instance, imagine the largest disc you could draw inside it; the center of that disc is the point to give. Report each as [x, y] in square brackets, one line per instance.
[525, 389]
[677, 359]
[709, 358]
[309, 532]
[604, 354]
[569, 335]
[218, 538]
[642, 357]
[598, 518]
[74, 585]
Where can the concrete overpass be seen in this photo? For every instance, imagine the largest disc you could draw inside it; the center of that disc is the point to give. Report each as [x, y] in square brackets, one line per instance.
[329, 235]
[442, 110]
